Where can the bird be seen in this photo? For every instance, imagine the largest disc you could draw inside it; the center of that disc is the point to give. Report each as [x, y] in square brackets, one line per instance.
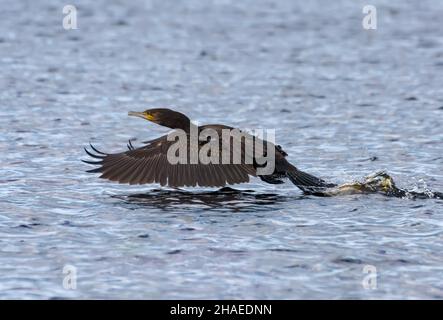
[150, 164]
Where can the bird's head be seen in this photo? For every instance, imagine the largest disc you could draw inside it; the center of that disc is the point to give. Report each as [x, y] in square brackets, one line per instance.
[164, 117]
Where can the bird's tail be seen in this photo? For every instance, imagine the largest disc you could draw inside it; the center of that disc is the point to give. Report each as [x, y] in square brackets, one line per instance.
[308, 183]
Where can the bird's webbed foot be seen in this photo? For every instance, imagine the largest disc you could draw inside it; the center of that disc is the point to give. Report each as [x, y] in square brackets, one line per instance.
[129, 145]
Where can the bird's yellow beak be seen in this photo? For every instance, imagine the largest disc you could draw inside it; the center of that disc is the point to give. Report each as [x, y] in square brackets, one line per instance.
[144, 115]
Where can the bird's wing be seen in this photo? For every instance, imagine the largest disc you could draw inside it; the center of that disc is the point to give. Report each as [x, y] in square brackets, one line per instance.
[149, 164]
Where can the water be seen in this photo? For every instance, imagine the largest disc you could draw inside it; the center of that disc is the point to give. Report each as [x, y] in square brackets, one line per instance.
[344, 101]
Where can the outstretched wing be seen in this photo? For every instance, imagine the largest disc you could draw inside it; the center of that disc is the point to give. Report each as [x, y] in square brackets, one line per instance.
[149, 164]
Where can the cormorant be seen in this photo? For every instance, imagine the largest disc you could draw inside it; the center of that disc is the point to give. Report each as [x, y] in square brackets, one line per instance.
[150, 164]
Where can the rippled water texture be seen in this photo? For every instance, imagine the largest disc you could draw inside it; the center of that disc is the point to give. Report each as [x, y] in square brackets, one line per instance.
[344, 101]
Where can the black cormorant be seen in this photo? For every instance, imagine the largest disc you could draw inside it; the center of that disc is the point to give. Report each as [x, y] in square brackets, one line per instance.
[150, 164]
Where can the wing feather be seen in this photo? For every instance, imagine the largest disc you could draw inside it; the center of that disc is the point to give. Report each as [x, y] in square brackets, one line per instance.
[149, 164]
